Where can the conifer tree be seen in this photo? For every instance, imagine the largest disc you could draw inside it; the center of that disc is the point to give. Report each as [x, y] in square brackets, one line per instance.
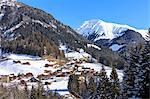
[130, 74]
[25, 92]
[103, 89]
[40, 91]
[135, 74]
[115, 84]
[33, 93]
[83, 88]
[91, 86]
[146, 70]
[73, 84]
[128, 81]
[16, 92]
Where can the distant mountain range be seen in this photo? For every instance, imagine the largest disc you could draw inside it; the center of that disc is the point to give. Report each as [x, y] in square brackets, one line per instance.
[117, 37]
[105, 30]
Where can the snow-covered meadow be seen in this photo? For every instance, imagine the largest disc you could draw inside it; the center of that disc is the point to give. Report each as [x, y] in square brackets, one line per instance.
[37, 64]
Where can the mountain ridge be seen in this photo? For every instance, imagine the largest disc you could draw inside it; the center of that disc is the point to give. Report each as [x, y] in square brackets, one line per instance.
[117, 37]
[28, 30]
[23, 26]
[106, 30]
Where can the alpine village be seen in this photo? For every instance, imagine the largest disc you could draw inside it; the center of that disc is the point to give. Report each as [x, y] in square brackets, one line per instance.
[42, 58]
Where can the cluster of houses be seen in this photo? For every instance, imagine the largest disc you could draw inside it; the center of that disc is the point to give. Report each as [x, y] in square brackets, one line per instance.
[52, 72]
[61, 71]
[12, 77]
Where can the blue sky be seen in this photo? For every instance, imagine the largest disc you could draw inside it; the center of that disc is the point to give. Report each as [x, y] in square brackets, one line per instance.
[135, 13]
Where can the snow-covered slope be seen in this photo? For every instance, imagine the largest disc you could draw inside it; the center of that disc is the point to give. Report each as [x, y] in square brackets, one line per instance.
[105, 30]
[18, 20]
[21, 57]
[94, 46]
[115, 47]
[36, 65]
[77, 55]
[7, 2]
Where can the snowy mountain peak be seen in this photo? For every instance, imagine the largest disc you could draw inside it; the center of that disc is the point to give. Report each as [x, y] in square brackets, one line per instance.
[93, 21]
[105, 30]
[7, 2]
[4, 1]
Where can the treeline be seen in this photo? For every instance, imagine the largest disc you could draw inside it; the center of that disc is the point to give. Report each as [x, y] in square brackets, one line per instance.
[31, 37]
[96, 86]
[14, 92]
[32, 44]
[107, 57]
[135, 83]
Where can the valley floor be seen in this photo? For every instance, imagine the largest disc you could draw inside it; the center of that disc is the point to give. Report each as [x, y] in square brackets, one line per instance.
[19, 68]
